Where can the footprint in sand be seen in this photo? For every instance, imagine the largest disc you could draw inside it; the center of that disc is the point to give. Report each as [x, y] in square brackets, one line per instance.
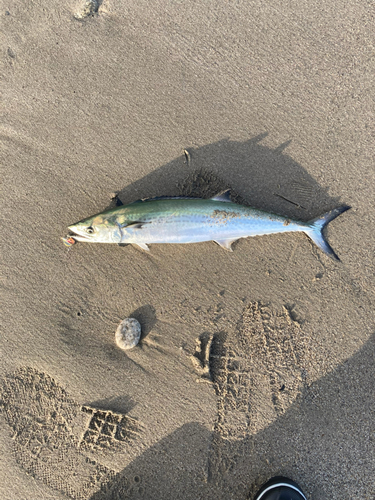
[52, 434]
[257, 374]
[107, 430]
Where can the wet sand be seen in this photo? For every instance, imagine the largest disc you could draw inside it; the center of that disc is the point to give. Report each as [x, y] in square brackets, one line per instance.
[251, 364]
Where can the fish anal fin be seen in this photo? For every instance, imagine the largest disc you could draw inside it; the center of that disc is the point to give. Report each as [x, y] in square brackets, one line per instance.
[224, 196]
[227, 244]
[143, 246]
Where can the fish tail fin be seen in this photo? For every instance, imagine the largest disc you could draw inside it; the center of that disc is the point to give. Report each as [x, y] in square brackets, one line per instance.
[316, 226]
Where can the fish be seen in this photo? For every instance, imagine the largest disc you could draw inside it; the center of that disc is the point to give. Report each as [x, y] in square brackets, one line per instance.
[193, 220]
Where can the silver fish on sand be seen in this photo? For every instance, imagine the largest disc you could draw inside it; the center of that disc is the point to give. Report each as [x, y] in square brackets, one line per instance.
[193, 220]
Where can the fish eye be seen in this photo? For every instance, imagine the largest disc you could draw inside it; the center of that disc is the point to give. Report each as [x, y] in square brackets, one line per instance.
[90, 230]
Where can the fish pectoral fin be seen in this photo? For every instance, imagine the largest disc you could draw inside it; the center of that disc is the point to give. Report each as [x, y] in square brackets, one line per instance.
[143, 246]
[224, 196]
[227, 244]
[134, 225]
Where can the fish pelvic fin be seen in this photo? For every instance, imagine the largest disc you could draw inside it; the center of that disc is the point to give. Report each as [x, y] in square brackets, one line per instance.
[316, 227]
[143, 246]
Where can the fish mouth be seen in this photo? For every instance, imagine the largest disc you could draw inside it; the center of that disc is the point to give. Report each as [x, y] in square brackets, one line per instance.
[73, 233]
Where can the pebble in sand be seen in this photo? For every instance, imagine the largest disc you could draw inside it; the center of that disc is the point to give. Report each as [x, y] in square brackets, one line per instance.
[128, 333]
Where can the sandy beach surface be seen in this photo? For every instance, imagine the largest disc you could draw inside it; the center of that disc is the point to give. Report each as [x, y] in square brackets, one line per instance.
[252, 364]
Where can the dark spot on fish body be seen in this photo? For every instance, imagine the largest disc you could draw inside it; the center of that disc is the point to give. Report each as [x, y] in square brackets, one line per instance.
[286, 222]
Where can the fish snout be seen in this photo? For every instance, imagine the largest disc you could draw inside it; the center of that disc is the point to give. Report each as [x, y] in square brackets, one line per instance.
[78, 233]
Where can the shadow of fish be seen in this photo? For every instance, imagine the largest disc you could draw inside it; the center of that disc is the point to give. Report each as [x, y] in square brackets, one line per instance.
[192, 220]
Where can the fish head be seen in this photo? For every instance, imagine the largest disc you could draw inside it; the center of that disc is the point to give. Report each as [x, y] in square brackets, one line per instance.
[96, 229]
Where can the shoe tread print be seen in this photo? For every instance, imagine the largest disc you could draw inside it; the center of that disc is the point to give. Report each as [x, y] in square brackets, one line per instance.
[41, 416]
[257, 373]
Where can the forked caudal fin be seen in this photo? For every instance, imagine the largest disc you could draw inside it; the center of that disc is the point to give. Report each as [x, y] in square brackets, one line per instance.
[315, 231]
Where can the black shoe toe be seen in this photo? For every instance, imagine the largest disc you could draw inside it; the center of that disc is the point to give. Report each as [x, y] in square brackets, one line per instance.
[280, 488]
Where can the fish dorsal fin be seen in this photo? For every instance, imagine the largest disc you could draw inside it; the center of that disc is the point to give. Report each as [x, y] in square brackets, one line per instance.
[224, 196]
[227, 244]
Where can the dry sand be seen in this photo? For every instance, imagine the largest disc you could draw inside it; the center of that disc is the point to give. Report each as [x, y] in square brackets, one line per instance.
[252, 363]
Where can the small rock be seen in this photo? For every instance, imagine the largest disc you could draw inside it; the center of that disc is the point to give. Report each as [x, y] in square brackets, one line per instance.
[128, 333]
